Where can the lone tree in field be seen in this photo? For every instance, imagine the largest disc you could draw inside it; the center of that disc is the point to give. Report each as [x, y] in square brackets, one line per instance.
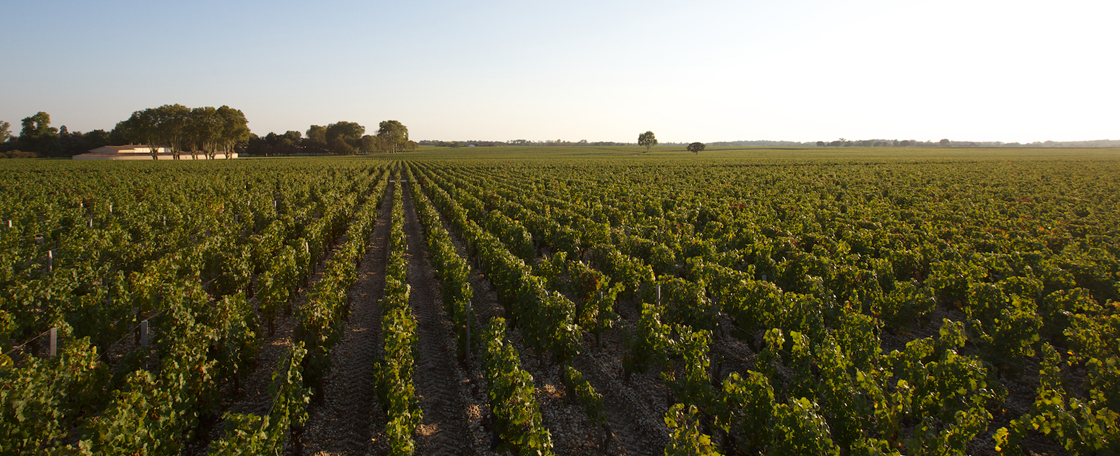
[647, 139]
[392, 135]
[696, 147]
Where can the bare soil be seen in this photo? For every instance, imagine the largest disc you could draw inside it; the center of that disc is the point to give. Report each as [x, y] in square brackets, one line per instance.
[344, 419]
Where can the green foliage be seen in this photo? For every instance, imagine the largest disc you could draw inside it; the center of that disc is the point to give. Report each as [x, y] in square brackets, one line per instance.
[650, 344]
[265, 435]
[41, 399]
[517, 417]
[591, 400]
[685, 438]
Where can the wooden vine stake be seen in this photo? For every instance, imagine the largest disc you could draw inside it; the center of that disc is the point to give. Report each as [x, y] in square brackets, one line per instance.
[50, 260]
[144, 333]
[659, 295]
[467, 321]
[54, 342]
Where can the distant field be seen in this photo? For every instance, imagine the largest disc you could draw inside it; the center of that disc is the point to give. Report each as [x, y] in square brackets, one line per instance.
[759, 153]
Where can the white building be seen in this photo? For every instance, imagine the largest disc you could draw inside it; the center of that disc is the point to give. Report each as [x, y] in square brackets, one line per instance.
[139, 152]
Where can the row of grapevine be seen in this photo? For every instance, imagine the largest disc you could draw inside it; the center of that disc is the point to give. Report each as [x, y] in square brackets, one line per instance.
[452, 270]
[323, 317]
[253, 434]
[512, 395]
[398, 328]
[547, 318]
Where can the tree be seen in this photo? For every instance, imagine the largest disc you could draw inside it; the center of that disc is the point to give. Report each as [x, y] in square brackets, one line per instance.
[345, 137]
[172, 122]
[140, 128]
[647, 139]
[38, 135]
[944, 143]
[393, 135]
[235, 129]
[5, 134]
[316, 139]
[369, 143]
[72, 143]
[204, 130]
[696, 147]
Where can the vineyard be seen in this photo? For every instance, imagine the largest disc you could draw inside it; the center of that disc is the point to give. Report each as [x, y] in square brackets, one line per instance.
[527, 303]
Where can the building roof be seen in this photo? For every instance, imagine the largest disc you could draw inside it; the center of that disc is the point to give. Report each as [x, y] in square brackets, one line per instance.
[118, 149]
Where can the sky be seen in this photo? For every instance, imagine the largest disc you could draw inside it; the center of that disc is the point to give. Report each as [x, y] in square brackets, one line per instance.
[699, 70]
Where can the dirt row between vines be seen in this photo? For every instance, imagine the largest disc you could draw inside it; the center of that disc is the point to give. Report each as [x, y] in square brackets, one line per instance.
[343, 419]
[442, 385]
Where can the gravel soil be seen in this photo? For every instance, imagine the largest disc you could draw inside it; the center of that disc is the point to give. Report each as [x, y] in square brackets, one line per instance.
[442, 385]
[343, 420]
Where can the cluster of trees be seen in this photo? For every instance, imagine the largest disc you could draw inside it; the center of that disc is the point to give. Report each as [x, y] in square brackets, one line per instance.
[341, 138]
[39, 139]
[206, 130]
[885, 143]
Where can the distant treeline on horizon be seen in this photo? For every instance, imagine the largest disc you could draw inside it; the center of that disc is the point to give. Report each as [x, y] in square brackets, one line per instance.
[765, 143]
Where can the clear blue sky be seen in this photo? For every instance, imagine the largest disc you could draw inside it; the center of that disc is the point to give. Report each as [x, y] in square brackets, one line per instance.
[602, 71]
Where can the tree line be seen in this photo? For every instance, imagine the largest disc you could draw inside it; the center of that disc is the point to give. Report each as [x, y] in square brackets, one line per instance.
[340, 138]
[39, 139]
[202, 131]
[205, 130]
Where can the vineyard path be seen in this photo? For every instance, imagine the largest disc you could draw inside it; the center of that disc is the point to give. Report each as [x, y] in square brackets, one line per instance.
[344, 419]
[441, 385]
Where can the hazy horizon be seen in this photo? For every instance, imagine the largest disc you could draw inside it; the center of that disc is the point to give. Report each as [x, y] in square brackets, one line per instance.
[705, 71]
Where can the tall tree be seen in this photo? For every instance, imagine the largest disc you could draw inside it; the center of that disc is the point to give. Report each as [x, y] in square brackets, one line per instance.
[316, 139]
[345, 137]
[369, 143]
[204, 131]
[142, 128]
[173, 121]
[38, 135]
[393, 135]
[696, 147]
[5, 134]
[647, 139]
[235, 128]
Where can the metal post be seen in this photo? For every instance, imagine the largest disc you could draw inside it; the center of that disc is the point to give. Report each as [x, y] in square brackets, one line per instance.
[91, 222]
[54, 342]
[144, 333]
[659, 294]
